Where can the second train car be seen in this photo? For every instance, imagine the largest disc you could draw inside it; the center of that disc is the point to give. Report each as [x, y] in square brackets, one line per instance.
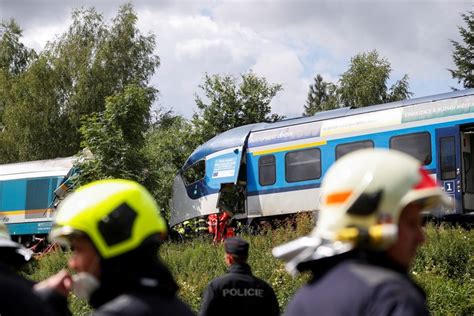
[277, 168]
[27, 194]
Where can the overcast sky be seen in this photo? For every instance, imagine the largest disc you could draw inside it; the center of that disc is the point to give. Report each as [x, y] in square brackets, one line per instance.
[286, 41]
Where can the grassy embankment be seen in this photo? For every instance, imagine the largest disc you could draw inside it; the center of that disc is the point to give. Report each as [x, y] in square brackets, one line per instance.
[444, 267]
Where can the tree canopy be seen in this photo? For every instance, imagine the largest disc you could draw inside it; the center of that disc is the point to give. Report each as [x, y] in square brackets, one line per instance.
[229, 103]
[322, 96]
[169, 143]
[463, 55]
[14, 60]
[71, 79]
[363, 84]
[116, 137]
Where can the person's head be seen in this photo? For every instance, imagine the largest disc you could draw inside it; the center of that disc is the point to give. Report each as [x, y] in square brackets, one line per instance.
[372, 199]
[410, 235]
[106, 220]
[236, 250]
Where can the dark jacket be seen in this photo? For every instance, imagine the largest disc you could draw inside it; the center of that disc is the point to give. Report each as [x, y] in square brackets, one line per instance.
[146, 301]
[358, 284]
[239, 293]
[18, 298]
[137, 283]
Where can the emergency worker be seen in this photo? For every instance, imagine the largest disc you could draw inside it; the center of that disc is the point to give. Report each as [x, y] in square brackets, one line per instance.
[188, 229]
[365, 239]
[114, 229]
[202, 228]
[17, 296]
[238, 292]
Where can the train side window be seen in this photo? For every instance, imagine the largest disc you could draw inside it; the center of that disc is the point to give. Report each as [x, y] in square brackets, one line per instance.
[303, 165]
[266, 170]
[37, 194]
[194, 173]
[344, 149]
[417, 145]
[447, 156]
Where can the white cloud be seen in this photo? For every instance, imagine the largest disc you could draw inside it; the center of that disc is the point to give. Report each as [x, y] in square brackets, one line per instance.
[288, 42]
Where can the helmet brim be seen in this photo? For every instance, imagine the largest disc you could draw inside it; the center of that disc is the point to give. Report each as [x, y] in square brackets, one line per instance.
[428, 199]
[64, 234]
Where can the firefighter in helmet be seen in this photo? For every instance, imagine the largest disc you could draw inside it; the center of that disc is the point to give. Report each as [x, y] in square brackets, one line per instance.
[202, 228]
[114, 229]
[366, 237]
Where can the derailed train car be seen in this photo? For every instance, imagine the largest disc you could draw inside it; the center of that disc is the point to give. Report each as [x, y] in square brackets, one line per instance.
[27, 195]
[277, 168]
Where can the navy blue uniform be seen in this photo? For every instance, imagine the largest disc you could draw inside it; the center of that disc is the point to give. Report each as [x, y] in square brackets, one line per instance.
[144, 302]
[17, 297]
[239, 293]
[359, 286]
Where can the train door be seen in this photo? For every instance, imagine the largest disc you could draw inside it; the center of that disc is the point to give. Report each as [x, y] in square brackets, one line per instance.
[467, 145]
[232, 197]
[449, 166]
[228, 171]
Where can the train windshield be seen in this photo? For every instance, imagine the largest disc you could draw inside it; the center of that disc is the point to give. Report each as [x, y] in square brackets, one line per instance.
[194, 173]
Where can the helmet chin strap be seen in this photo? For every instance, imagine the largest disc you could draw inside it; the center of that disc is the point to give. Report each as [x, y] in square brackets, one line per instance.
[377, 236]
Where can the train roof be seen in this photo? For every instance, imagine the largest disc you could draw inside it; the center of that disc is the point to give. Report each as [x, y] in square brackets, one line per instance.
[38, 168]
[228, 139]
[237, 136]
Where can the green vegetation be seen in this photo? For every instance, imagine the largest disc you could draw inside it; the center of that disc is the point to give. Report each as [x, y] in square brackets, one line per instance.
[364, 83]
[444, 267]
[230, 103]
[463, 53]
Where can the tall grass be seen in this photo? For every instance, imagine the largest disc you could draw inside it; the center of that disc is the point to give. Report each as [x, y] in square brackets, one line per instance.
[444, 267]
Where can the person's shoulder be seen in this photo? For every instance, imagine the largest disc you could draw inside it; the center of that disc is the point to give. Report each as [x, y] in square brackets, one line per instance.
[372, 275]
[390, 290]
[132, 304]
[260, 281]
[296, 306]
[124, 305]
[12, 284]
[398, 297]
[18, 297]
[221, 279]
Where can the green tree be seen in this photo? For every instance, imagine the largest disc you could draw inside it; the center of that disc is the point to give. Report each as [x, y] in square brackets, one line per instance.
[14, 60]
[94, 61]
[71, 79]
[33, 117]
[229, 104]
[463, 55]
[14, 56]
[116, 138]
[322, 96]
[365, 82]
[168, 144]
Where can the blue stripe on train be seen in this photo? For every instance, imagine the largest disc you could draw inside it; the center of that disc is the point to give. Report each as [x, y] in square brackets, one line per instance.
[300, 187]
[29, 228]
[286, 189]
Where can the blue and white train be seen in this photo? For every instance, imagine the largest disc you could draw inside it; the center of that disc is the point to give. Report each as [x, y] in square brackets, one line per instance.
[27, 195]
[278, 167]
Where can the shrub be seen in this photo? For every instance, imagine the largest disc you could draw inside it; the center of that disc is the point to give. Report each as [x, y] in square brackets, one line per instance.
[444, 267]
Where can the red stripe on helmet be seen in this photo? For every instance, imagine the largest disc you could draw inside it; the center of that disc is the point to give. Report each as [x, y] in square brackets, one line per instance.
[426, 181]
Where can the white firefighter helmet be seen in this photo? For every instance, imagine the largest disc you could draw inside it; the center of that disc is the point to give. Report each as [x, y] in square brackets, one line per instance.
[14, 249]
[362, 196]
